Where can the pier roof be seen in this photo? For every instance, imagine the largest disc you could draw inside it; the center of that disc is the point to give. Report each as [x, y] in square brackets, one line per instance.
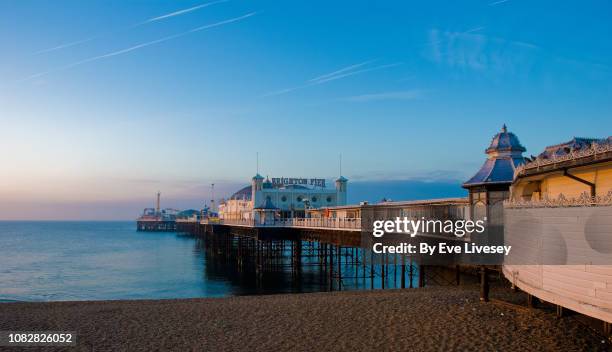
[267, 205]
[504, 155]
[435, 201]
[342, 179]
[505, 141]
[573, 153]
[244, 193]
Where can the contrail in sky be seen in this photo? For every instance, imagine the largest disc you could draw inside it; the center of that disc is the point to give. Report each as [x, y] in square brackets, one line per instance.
[63, 46]
[341, 73]
[181, 12]
[333, 78]
[348, 68]
[139, 46]
[498, 2]
[476, 29]
[154, 19]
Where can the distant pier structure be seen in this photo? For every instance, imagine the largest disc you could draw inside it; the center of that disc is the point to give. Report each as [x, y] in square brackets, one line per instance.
[157, 219]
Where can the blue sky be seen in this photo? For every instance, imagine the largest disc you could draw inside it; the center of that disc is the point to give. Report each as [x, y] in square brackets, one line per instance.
[103, 103]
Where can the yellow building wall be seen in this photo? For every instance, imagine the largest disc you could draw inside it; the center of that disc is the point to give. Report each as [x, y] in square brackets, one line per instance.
[604, 181]
[556, 184]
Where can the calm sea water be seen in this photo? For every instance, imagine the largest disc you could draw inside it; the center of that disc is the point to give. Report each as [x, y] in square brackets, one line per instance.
[42, 261]
[62, 260]
[59, 261]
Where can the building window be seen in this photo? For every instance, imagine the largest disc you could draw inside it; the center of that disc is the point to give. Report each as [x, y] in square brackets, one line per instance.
[284, 198]
[314, 199]
[329, 199]
[299, 198]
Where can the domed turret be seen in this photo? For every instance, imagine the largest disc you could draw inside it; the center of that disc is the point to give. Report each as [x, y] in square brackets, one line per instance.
[504, 154]
[505, 143]
[489, 187]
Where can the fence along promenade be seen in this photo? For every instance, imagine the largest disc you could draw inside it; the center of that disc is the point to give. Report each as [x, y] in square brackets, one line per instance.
[345, 224]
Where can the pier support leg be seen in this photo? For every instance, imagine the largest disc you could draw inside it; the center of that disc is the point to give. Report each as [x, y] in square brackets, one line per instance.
[484, 284]
[339, 249]
[355, 253]
[363, 263]
[403, 270]
[371, 270]
[325, 257]
[382, 276]
[331, 268]
[410, 273]
[395, 271]
[532, 301]
[607, 329]
[421, 275]
[560, 311]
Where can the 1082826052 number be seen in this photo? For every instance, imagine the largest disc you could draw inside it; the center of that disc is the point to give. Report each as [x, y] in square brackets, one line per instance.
[37, 338]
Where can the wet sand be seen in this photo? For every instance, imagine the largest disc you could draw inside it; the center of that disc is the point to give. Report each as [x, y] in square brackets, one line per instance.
[428, 319]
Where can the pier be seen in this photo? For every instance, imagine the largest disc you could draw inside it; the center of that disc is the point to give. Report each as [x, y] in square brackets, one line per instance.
[156, 225]
[330, 249]
[270, 226]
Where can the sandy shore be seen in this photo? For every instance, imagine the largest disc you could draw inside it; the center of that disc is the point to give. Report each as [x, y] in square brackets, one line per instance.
[430, 319]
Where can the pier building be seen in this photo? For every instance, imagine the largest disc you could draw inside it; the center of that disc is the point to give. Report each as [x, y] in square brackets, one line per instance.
[559, 216]
[281, 198]
[490, 186]
[157, 219]
[564, 194]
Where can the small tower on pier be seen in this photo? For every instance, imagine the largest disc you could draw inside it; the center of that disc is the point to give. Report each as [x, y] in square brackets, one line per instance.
[489, 187]
[256, 189]
[341, 184]
[157, 205]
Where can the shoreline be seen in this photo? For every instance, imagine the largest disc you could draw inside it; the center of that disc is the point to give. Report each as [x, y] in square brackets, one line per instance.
[422, 319]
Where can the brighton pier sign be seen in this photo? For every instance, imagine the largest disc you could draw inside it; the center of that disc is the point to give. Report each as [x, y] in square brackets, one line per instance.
[284, 181]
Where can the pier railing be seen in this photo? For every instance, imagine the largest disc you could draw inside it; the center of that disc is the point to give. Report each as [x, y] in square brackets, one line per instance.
[335, 223]
[330, 223]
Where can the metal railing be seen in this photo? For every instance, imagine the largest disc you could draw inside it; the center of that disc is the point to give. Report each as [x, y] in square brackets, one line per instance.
[335, 223]
[332, 223]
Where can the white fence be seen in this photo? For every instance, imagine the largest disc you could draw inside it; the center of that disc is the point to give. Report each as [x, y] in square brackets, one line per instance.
[329, 223]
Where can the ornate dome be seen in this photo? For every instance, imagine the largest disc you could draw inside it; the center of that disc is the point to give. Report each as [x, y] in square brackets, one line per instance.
[504, 155]
[505, 141]
[244, 193]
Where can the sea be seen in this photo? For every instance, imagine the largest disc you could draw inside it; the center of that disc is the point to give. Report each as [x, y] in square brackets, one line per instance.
[103, 260]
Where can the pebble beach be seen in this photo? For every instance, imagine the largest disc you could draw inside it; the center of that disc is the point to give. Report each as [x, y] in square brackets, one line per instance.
[425, 319]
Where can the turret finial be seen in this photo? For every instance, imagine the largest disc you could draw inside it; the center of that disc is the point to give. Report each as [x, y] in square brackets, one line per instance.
[504, 129]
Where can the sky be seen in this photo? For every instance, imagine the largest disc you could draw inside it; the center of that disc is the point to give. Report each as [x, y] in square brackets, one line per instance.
[103, 103]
